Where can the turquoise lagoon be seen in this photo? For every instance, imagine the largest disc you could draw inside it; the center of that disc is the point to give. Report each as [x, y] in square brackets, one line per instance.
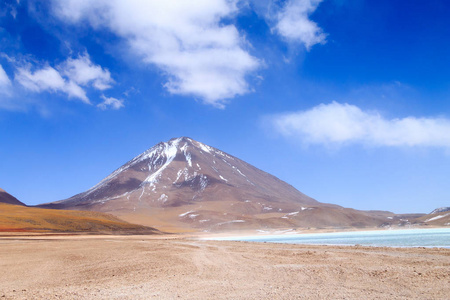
[436, 237]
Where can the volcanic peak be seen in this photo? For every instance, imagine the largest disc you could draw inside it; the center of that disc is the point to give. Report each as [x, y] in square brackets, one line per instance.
[181, 171]
[183, 183]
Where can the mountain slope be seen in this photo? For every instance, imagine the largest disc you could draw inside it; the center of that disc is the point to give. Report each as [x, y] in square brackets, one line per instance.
[183, 183]
[9, 199]
[438, 217]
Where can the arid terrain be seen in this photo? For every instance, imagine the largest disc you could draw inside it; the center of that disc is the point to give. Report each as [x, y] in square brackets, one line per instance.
[18, 218]
[178, 267]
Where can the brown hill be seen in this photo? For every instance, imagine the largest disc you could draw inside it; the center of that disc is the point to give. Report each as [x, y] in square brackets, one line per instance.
[21, 218]
[9, 199]
[438, 217]
[185, 184]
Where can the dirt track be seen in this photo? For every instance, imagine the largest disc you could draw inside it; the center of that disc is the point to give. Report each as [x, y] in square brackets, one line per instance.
[141, 267]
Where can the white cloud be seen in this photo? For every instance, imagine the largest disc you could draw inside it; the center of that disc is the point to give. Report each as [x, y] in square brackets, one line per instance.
[74, 90]
[341, 124]
[5, 89]
[201, 56]
[83, 72]
[41, 80]
[4, 79]
[110, 102]
[48, 79]
[293, 23]
[69, 77]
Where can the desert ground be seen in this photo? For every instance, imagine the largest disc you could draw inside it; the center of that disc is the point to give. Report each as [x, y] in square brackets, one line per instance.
[180, 267]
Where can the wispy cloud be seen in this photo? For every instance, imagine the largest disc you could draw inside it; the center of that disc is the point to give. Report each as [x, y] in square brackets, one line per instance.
[83, 72]
[110, 102]
[48, 79]
[343, 124]
[200, 55]
[70, 77]
[293, 23]
[5, 82]
[196, 45]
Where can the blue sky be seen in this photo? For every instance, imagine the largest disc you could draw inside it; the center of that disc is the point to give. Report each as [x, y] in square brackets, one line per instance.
[348, 101]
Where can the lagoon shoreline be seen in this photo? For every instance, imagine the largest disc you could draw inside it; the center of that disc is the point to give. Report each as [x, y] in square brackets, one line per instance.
[411, 237]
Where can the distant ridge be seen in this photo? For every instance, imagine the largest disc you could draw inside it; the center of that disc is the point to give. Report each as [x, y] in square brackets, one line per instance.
[439, 210]
[438, 217]
[17, 218]
[9, 199]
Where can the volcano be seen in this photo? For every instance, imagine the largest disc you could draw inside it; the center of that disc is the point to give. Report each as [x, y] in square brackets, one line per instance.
[183, 184]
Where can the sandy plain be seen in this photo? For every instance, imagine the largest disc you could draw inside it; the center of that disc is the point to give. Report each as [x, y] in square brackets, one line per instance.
[180, 267]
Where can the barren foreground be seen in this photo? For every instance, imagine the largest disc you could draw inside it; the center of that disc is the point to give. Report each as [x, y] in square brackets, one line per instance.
[143, 267]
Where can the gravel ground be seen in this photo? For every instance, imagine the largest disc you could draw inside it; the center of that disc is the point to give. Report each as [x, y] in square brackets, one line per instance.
[149, 267]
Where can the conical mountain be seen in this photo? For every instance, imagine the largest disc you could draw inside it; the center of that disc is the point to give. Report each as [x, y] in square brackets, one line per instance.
[183, 183]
